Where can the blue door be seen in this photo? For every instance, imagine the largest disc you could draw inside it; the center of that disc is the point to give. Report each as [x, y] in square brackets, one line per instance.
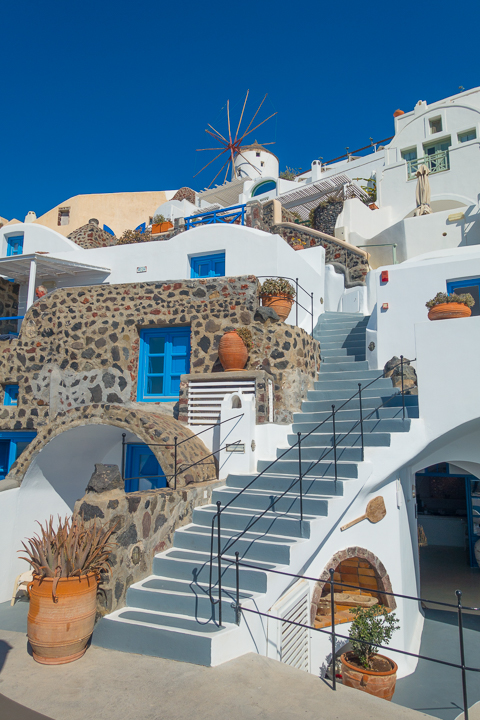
[472, 286]
[12, 444]
[208, 266]
[14, 245]
[164, 357]
[143, 471]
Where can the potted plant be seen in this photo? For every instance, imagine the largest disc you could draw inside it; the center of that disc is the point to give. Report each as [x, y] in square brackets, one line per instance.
[363, 668]
[233, 349]
[159, 224]
[278, 294]
[67, 562]
[444, 306]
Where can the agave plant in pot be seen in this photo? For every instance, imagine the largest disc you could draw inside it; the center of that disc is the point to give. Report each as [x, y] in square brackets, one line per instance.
[67, 563]
[278, 294]
[444, 306]
[363, 668]
[233, 349]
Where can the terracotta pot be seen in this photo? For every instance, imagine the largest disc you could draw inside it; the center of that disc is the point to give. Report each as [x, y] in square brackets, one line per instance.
[161, 227]
[297, 247]
[282, 304]
[380, 684]
[59, 631]
[445, 311]
[232, 352]
[372, 206]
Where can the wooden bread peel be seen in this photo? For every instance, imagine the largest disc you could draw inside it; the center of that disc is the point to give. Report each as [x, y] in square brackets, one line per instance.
[375, 512]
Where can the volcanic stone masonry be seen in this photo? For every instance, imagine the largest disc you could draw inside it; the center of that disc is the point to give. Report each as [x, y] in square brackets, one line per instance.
[79, 346]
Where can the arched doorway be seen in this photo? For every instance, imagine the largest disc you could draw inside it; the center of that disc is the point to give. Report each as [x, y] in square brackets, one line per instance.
[352, 566]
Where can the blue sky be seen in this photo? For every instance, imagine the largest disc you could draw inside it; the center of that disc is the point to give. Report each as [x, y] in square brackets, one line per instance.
[103, 96]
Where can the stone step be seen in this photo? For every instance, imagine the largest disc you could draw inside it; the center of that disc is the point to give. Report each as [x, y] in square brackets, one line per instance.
[339, 396]
[341, 352]
[232, 519]
[343, 343]
[343, 359]
[384, 384]
[363, 375]
[262, 500]
[279, 483]
[323, 468]
[343, 426]
[368, 414]
[352, 440]
[361, 366]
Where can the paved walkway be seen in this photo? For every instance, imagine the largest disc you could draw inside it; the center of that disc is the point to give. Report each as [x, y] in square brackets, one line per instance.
[109, 685]
[437, 689]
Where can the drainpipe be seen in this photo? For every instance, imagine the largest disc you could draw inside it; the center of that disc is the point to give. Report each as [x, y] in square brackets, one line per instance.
[31, 283]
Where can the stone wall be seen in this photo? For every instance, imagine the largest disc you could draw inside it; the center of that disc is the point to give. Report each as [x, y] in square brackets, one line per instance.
[185, 193]
[91, 236]
[286, 354]
[325, 215]
[145, 525]
[8, 305]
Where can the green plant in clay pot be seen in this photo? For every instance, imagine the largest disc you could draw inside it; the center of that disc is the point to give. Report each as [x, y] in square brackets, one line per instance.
[363, 668]
[67, 562]
[447, 306]
[278, 294]
[246, 335]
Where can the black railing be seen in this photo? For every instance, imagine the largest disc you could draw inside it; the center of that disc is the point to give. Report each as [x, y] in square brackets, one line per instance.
[297, 303]
[334, 634]
[176, 445]
[297, 481]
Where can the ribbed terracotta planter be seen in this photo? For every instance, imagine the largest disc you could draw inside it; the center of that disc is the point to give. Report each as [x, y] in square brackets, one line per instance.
[446, 311]
[161, 227]
[232, 352]
[282, 304]
[380, 684]
[59, 631]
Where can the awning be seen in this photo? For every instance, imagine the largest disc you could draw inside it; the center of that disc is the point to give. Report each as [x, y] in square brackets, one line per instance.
[18, 267]
[310, 195]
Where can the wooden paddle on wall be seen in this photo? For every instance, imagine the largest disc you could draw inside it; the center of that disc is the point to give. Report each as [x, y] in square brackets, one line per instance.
[375, 512]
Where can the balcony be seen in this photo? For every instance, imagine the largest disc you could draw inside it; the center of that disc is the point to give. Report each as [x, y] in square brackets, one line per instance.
[437, 162]
[233, 215]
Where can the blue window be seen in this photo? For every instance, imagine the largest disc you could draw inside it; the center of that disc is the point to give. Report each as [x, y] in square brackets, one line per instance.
[12, 444]
[472, 286]
[208, 266]
[14, 245]
[264, 187]
[10, 396]
[143, 471]
[164, 356]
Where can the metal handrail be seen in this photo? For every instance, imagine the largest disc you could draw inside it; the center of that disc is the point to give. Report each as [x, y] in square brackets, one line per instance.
[212, 217]
[297, 288]
[176, 445]
[302, 474]
[334, 634]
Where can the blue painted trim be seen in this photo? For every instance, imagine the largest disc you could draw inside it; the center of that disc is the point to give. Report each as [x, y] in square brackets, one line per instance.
[264, 187]
[10, 396]
[168, 334]
[141, 228]
[132, 480]
[108, 230]
[14, 438]
[11, 241]
[213, 261]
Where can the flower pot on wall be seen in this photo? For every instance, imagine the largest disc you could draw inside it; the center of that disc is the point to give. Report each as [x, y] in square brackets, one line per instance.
[282, 304]
[161, 227]
[378, 683]
[372, 206]
[59, 630]
[297, 247]
[446, 311]
[232, 352]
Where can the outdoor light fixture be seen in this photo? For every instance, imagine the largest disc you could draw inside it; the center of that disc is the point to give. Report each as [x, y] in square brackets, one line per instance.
[384, 276]
[385, 306]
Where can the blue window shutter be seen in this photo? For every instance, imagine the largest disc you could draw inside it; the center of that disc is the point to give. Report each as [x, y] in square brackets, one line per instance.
[10, 395]
[143, 471]
[12, 445]
[208, 266]
[164, 357]
[14, 245]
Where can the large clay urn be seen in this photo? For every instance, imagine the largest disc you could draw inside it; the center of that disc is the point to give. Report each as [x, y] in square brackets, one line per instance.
[380, 684]
[446, 311]
[282, 304]
[232, 352]
[59, 630]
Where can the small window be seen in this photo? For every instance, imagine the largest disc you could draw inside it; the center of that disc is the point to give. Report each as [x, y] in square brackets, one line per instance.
[262, 164]
[264, 187]
[435, 125]
[471, 286]
[257, 154]
[409, 154]
[12, 444]
[467, 135]
[208, 266]
[14, 245]
[64, 216]
[11, 395]
[164, 357]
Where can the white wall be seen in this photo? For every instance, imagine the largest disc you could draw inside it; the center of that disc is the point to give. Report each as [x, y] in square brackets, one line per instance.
[410, 286]
[36, 238]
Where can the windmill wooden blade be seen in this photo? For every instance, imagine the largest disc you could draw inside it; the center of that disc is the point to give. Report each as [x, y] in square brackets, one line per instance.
[209, 163]
[241, 116]
[219, 172]
[228, 118]
[215, 137]
[251, 121]
[203, 149]
[248, 161]
[257, 126]
[216, 131]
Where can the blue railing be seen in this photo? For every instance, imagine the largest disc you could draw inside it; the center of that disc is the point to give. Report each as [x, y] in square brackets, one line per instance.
[235, 214]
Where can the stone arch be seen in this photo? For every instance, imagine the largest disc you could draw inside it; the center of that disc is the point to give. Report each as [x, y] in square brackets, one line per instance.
[362, 555]
[154, 429]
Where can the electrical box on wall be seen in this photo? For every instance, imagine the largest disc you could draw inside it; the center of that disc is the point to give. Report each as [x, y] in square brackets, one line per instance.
[384, 276]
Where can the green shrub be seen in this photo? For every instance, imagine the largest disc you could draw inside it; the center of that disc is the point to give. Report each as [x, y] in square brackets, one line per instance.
[277, 286]
[441, 298]
[374, 625]
[158, 219]
[246, 335]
